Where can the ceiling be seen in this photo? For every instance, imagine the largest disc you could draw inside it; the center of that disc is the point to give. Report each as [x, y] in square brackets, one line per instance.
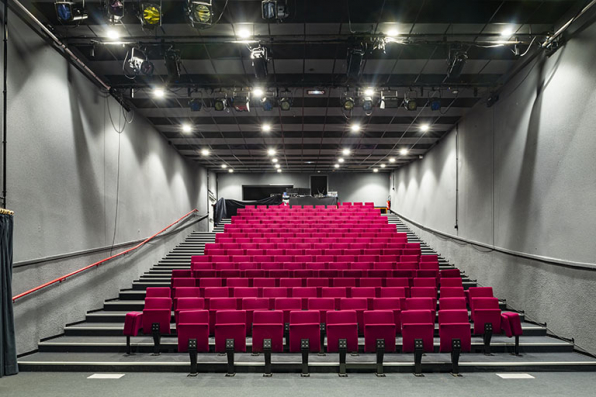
[308, 51]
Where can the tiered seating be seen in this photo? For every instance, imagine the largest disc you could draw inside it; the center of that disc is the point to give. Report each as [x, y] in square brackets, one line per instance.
[341, 270]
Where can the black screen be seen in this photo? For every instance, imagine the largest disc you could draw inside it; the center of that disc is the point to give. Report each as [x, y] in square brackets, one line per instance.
[257, 192]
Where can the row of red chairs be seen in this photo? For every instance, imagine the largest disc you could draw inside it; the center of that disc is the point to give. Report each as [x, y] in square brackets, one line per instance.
[232, 249]
[331, 241]
[363, 247]
[314, 258]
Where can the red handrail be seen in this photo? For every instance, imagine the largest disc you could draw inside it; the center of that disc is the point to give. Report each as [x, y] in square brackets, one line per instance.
[60, 279]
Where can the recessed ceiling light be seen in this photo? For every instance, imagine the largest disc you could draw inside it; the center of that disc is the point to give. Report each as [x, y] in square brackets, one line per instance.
[355, 127]
[244, 33]
[392, 160]
[340, 160]
[224, 166]
[346, 152]
[159, 92]
[186, 128]
[271, 152]
[277, 165]
[375, 170]
[274, 160]
[257, 92]
[278, 170]
[507, 32]
[309, 162]
[113, 34]
[266, 127]
[392, 32]
[424, 127]
[382, 165]
[336, 165]
[230, 171]
[369, 92]
[205, 152]
[403, 152]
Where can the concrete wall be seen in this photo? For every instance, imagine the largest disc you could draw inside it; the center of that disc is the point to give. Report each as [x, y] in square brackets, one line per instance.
[352, 187]
[63, 180]
[527, 184]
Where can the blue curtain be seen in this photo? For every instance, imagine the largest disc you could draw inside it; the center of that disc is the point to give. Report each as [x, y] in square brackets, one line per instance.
[8, 348]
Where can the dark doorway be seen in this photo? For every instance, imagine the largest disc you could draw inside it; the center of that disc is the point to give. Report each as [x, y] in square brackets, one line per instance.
[318, 185]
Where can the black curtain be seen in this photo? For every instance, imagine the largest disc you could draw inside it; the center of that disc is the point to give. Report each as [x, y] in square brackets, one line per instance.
[8, 347]
[228, 208]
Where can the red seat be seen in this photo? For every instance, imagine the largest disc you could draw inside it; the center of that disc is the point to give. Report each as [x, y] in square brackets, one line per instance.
[359, 305]
[451, 282]
[268, 325]
[422, 304]
[453, 324]
[304, 293]
[393, 304]
[217, 304]
[321, 305]
[452, 292]
[158, 292]
[250, 305]
[188, 304]
[185, 292]
[230, 324]
[342, 324]
[486, 310]
[286, 305]
[193, 324]
[379, 324]
[157, 310]
[417, 324]
[452, 304]
[305, 325]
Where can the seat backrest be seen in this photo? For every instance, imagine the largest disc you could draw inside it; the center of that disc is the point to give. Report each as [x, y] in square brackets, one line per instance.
[423, 292]
[420, 304]
[268, 317]
[210, 282]
[425, 282]
[393, 292]
[321, 304]
[193, 317]
[237, 282]
[452, 292]
[246, 292]
[453, 316]
[305, 317]
[221, 303]
[304, 292]
[416, 317]
[379, 317]
[255, 303]
[288, 303]
[450, 273]
[334, 292]
[275, 292]
[188, 292]
[451, 282]
[217, 292]
[363, 292]
[159, 292]
[342, 317]
[386, 304]
[485, 303]
[480, 292]
[263, 282]
[190, 303]
[452, 303]
[398, 282]
[353, 304]
[230, 317]
[158, 303]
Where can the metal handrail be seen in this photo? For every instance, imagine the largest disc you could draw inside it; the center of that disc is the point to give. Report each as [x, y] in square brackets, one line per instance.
[96, 264]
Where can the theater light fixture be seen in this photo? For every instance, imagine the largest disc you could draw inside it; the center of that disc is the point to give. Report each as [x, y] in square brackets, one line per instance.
[348, 103]
[113, 34]
[340, 160]
[355, 127]
[267, 104]
[355, 59]
[285, 104]
[186, 128]
[260, 58]
[137, 64]
[244, 33]
[424, 127]
[195, 105]
[173, 64]
[383, 166]
[266, 127]
[275, 9]
[410, 103]
[367, 104]
[336, 165]
[392, 159]
[274, 161]
[392, 33]
[435, 104]
[114, 10]
[404, 151]
[205, 152]
[220, 104]
[241, 103]
[150, 15]
[390, 101]
[279, 170]
[224, 166]
[69, 11]
[456, 64]
[159, 93]
[231, 171]
[346, 152]
[375, 170]
[271, 152]
[199, 13]
[507, 32]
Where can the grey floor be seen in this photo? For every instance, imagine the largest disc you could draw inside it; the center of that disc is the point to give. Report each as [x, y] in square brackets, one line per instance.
[166, 384]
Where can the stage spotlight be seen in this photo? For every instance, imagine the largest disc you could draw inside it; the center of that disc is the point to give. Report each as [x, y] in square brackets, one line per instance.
[279, 170]
[355, 60]
[195, 105]
[224, 166]
[285, 104]
[266, 127]
[435, 104]
[369, 92]
[382, 165]
[258, 92]
[392, 33]
[336, 165]
[69, 11]
[404, 151]
[274, 9]
[390, 102]
[205, 152]
[410, 104]
[241, 103]
[173, 63]
[375, 170]
[186, 128]
[355, 127]
[507, 32]
[113, 34]
[114, 10]
[392, 159]
[348, 103]
[277, 166]
[367, 104]
[244, 33]
[456, 65]
[150, 15]
[138, 64]
[340, 160]
[199, 13]
[424, 127]
[267, 104]
[260, 58]
[274, 160]
[346, 152]
[231, 171]
[220, 104]
[159, 92]
[271, 152]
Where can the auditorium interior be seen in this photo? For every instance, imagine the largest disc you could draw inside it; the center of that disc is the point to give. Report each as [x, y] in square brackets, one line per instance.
[298, 197]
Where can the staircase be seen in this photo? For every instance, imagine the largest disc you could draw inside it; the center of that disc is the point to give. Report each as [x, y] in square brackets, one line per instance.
[97, 344]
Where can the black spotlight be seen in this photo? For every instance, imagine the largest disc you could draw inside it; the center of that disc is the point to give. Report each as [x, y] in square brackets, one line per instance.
[195, 105]
[220, 104]
[260, 58]
[456, 65]
[285, 104]
[410, 104]
[69, 11]
[348, 103]
[390, 102]
[172, 60]
[367, 104]
[274, 9]
[435, 104]
[241, 103]
[492, 99]
[138, 64]
[267, 104]
[199, 13]
[355, 60]
[114, 10]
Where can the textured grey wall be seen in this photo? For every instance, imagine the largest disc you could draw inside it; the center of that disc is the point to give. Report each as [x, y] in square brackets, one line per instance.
[527, 183]
[62, 178]
[352, 187]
